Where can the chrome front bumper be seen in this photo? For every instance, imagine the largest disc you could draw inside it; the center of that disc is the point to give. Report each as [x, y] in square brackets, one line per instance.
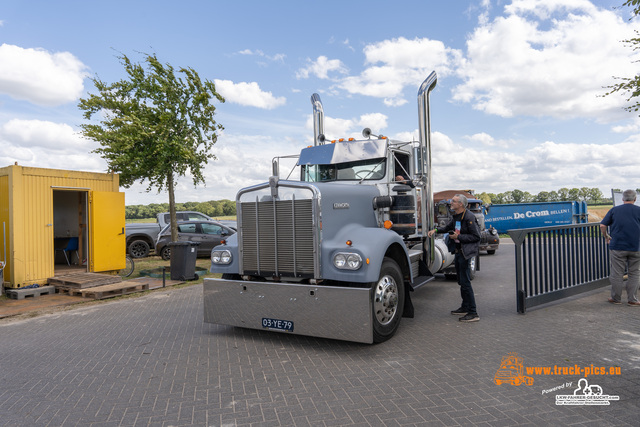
[321, 311]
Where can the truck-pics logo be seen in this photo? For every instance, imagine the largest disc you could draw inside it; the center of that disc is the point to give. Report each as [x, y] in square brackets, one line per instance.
[511, 371]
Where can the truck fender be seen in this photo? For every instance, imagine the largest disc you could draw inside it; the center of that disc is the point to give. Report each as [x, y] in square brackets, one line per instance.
[373, 244]
[232, 246]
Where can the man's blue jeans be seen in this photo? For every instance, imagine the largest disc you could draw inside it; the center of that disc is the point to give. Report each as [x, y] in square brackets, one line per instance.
[464, 280]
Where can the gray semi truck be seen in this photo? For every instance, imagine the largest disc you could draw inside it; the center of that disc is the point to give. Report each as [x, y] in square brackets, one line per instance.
[336, 252]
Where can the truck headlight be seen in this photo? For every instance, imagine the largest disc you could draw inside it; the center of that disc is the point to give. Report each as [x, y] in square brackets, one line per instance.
[347, 261]
[221, 257]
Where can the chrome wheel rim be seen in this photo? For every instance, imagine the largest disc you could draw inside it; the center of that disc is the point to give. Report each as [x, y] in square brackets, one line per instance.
[385, 303]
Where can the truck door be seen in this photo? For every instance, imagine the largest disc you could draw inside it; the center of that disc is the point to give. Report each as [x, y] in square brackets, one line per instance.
[108, 241]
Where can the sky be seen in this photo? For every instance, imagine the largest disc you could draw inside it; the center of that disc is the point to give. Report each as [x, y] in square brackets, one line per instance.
[518, 105]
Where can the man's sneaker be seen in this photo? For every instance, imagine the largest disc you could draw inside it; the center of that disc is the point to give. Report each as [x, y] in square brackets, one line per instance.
[469, 318]
[634, 303]
[459, 312]
[612, 301]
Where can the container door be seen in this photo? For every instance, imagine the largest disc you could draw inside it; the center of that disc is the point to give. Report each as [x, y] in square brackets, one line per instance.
[108, 242]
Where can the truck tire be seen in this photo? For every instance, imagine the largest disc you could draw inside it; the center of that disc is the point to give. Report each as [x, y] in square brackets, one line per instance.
[472, 268]
[388, 301]
[138, 249]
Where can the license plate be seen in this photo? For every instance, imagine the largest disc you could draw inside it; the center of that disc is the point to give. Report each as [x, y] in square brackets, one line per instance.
[276, 324]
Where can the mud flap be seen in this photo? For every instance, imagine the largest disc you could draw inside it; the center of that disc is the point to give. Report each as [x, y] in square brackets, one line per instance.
[321, 311]
[408, 305]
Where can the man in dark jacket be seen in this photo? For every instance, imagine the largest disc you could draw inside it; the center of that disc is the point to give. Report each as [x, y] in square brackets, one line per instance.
[463, 229]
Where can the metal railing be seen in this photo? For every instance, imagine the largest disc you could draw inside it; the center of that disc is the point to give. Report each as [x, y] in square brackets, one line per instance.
[558, 262]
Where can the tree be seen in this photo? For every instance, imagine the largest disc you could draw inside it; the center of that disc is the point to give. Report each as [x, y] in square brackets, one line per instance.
[542, 196]
[584, 193]
[154, 126]
[485, 197]
[563, 194]
[504, 198]
[228, 207]
[595, 195]
[574, 195]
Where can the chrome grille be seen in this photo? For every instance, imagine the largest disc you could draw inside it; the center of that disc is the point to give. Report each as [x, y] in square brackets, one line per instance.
[277, 238]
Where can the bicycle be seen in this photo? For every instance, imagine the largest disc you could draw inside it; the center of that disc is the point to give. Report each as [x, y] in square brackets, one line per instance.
[129, 267]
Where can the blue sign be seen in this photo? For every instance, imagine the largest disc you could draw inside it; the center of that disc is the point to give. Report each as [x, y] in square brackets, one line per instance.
[531, 215]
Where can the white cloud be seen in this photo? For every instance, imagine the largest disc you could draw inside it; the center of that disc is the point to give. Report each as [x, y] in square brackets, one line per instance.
[347, 44]
[633, 126]
[488, 140]
[548, 58]
[397, 63]
[48, 145]
[336, 128]
[248, 94]
[321, 68]
[278, 57]
[374, 121]
[543, 167]
[236, 167]
[43, 134]
[40, 77]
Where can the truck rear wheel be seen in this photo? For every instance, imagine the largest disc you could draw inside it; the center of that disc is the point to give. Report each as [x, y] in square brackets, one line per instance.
[138, 249]
[388, 301]
[472, 268]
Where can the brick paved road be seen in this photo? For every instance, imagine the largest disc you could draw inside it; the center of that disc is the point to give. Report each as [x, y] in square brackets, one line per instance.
[152, 361]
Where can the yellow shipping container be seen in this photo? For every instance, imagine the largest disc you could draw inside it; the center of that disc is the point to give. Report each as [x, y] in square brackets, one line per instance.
[45, 211]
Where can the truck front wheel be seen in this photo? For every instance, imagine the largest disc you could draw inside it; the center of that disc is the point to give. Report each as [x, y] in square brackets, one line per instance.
[388, 301]
[138, 249]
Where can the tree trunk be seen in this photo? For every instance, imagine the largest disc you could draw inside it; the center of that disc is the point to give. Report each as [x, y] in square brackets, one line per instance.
[172, 208]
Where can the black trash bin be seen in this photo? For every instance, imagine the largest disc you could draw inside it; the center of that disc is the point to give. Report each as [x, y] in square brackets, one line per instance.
[183, 260]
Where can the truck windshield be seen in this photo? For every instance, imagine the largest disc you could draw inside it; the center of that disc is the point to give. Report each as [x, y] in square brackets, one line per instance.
[370, 169]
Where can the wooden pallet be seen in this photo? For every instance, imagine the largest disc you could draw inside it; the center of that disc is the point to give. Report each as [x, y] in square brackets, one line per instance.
[30, 292]
[78, 281]
[112, 290]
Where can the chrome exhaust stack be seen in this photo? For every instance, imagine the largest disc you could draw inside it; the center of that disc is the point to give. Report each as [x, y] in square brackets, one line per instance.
[318, 120]
[423, 160]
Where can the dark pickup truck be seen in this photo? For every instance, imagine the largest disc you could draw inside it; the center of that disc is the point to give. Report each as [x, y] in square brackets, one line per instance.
[141, 237]
[489, 238]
